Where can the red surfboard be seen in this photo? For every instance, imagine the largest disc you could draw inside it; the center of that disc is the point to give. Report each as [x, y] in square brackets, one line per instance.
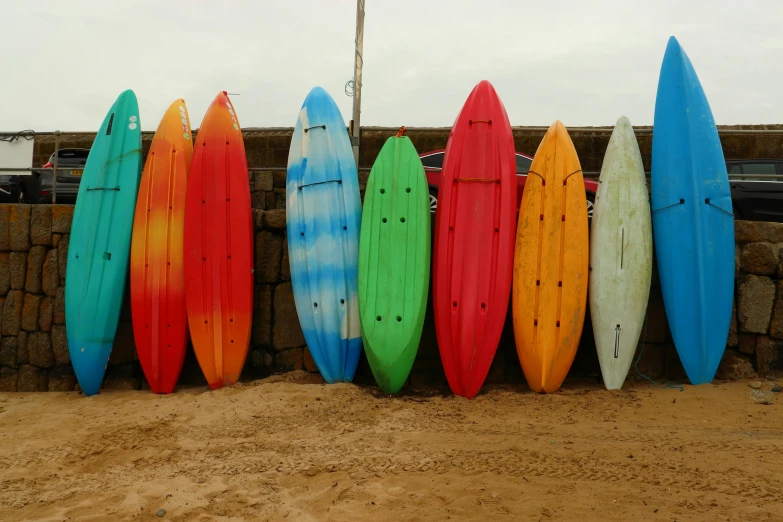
[475, 228]
[219, 246]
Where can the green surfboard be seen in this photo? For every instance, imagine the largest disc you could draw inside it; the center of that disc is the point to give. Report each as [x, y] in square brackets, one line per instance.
[394, 262]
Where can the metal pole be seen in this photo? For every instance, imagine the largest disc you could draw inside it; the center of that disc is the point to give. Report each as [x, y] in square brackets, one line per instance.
[54, 164]
[357, 79]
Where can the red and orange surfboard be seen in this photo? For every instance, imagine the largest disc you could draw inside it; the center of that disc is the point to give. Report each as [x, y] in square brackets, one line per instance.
[157, 282]
[219, 246]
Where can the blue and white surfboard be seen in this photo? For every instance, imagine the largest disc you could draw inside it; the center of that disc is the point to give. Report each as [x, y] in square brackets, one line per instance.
[323, 218]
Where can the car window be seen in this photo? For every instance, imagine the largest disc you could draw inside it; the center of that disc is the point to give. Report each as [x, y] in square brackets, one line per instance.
[758, 168]
[749, 169]
[72, 157]
[433, 161]
[735, 169]
[75, 154]
[523, 164]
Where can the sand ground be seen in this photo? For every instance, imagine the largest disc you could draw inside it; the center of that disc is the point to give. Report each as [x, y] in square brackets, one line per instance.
[286, 448]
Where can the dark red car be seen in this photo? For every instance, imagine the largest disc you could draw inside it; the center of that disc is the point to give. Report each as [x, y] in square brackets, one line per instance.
[433, 162]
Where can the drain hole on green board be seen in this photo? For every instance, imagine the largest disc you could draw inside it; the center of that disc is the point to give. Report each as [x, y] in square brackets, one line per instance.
[378, 318]
[383, 191]
[107, 256]
[384, 220]
[399, 319]
[408, 189]
[402, 220]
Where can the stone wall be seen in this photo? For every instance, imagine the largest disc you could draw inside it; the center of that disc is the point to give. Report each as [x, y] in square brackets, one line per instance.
[34, 352]
[759, 297]
[33, 348]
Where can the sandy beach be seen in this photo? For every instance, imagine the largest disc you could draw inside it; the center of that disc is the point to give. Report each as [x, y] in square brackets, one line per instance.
[292, 448]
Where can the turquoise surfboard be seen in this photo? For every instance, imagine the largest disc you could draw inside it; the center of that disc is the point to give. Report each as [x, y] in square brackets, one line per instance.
[99, 246]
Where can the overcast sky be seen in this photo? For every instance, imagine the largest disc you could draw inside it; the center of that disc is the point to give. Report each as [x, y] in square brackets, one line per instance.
[584, 63]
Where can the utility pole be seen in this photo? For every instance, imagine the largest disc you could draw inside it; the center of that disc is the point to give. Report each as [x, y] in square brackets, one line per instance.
[357, 80]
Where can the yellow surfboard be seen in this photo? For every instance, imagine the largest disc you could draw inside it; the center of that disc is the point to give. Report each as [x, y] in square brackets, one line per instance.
[549, 289]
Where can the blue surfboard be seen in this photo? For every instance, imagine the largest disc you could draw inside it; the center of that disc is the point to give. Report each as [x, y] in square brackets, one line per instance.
[99, 246]
[693, 222]
[323, 219]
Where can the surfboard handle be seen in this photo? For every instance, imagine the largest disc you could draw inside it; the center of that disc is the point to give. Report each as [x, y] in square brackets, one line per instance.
[707, 201]
[478, 180]
[104, 188]
[471, 122]
[681, 202]
[617, 341]
[316, 127]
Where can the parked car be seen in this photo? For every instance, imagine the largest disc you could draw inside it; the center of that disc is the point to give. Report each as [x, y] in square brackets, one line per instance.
[433, 162]
[7, 192]
[37, 187]
[756, 189]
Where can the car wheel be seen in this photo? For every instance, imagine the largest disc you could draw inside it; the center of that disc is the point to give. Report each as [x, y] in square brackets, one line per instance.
[433, 202]
[590, 207]
[20, 197]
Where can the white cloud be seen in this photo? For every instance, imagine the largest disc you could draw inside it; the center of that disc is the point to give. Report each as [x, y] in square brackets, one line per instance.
[584, 63]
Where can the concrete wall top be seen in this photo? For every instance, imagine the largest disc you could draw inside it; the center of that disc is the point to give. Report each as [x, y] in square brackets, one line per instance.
[268, 147]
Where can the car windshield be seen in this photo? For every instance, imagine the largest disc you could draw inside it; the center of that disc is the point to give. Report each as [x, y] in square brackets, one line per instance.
[435, 161]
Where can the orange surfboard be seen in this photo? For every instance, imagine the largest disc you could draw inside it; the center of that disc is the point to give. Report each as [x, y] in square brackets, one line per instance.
[157, 279]
[219, 246]
[549, 289]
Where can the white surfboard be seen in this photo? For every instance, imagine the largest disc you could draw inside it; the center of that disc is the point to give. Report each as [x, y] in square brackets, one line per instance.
[621, 253]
